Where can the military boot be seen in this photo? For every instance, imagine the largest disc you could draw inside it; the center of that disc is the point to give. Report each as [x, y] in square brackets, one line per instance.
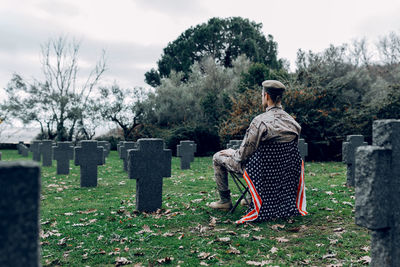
[225, 203]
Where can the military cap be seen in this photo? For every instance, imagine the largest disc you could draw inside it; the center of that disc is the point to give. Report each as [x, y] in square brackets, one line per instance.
[274, 87]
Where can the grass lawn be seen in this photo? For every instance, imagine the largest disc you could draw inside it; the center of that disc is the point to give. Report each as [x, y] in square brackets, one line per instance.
[100, 227]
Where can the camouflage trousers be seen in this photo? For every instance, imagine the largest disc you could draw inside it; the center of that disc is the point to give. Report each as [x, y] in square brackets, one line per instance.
[222, 163]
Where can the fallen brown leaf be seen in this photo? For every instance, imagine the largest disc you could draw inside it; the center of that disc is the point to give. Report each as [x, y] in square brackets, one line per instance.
[366, 248]
[223, 239]
[119, 261]
[282, 239]
[277, 226]
[203, 255]
[365, 260]
[329, 256]
[166, 260]
[273, 250]
[258, 237]
[259, 263]
[233, 250]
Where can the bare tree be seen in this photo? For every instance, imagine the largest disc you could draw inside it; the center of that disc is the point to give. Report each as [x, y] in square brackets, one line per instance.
[58, 102]
[389, 49]
[124, 107]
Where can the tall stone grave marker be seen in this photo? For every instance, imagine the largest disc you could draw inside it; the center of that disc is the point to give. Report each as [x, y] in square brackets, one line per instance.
[24, 150]
[124, 152]
[234, 144]
[185, 151]
[63, 152]
[348, 155]
[0, 155]
[19, 213]
[46, 150]
[35, 150]
[303, 147]
[378, 192]
[88, 156]
[148, 164]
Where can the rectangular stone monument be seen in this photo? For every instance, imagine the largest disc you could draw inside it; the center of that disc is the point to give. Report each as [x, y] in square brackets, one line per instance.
[303, 148]
[34, 147]
[0, 155]
[377, 173]
[234, 144]
[63, 152]
[19, 146]
[348, 155]
[24, 150]
[19, 213]
[148, 164]
[88, 156]
[124, 152]
[46, 150]
[185, 151]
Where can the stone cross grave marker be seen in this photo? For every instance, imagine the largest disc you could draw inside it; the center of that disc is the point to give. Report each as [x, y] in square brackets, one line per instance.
[35, 150]
[148, 164]
[106, 145]
[24, 150]
[185, 151]
[377, 192]
[124, 152]
[19, 213]
[104, 151]
[303, 148]
[234, 144]
[63, 152]
[348, 155]
[88, 156]
[19, 146]
[194, 147]
[46, 150]
[120, 143]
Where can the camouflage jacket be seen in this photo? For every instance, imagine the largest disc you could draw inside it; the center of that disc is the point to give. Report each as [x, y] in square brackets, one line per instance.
[274, 125]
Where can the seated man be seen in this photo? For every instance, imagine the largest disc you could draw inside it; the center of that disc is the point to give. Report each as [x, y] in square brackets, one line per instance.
[269, 160]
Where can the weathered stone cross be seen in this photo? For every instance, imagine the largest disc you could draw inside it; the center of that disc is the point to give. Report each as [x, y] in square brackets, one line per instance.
[234, 144]
[349, 155]
[88, 156]
[46, 150]
[124, 152]
[148, 164]
[185, 151]
[63, 153]
[19, 213]
[35, 150]
[378, 192]
[303, 147]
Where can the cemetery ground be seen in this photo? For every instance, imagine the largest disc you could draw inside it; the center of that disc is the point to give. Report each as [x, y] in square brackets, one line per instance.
[100, 227]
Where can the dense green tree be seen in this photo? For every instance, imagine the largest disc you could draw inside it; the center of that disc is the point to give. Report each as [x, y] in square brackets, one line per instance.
[223, 40]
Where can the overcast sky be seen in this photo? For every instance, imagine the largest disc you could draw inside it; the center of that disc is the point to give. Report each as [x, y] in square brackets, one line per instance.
[134, 32]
